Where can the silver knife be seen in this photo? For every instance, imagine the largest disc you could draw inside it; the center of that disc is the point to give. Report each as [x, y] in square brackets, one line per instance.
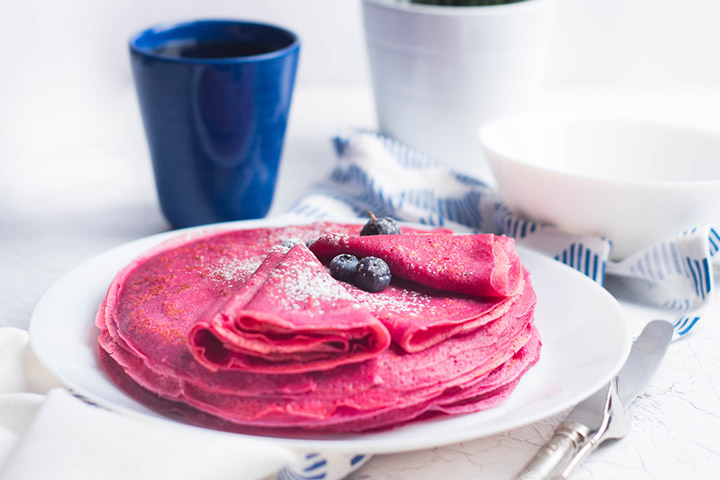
[604, 414]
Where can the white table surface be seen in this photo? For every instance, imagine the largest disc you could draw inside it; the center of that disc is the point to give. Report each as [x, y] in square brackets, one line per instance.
[75, 182]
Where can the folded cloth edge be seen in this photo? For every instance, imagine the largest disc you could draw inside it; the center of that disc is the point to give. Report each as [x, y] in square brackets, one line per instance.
[80, 440]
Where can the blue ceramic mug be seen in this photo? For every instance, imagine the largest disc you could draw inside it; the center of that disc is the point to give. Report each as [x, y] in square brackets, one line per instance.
[214, 97]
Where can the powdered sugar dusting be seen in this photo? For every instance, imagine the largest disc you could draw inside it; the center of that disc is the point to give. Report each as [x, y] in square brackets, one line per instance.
[393, 299]
[307, 232]
[307, 286]
[285, 245]
[233, 269]
[336, 239]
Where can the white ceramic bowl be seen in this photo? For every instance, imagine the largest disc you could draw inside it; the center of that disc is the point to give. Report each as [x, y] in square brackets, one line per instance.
[633, 181]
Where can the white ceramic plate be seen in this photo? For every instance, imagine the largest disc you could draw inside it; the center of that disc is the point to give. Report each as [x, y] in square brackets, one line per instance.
[583, 329]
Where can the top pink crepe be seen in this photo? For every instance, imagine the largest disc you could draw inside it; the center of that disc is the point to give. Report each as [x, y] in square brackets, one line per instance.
[481, 265]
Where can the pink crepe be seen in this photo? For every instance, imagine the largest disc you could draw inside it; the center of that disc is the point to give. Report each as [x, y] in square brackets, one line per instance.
[419, 317]
[488, 394]
[196, 284]
[461, 282]
[290, 316]
[482, 265]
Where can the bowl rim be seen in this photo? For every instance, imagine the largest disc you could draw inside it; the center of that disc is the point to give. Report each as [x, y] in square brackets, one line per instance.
[460, 11]
[485, 132]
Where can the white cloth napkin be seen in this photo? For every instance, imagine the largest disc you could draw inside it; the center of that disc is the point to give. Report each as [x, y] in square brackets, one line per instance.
[376, 173]
[47, 432]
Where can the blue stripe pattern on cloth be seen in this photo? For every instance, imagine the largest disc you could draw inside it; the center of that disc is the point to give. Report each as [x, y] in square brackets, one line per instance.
[675, 273]
[376, 173]
[684, 325]
[323, 466]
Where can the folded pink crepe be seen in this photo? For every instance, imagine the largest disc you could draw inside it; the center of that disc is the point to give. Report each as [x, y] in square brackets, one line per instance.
[170, 337]
[482, 265]
[459, 282]
[419, 317]
[290, 316]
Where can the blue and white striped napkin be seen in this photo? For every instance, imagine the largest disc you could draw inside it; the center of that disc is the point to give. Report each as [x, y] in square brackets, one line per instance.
[323, 466]
[378, 174]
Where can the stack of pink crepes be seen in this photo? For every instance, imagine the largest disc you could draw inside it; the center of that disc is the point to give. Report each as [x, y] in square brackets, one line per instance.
[247, 331]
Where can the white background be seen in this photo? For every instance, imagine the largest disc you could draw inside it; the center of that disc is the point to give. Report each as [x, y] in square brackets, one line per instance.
[80, 45]
[65, 62]
[63, 58]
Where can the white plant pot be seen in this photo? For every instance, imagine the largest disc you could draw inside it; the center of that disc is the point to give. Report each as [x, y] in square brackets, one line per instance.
[440, 72]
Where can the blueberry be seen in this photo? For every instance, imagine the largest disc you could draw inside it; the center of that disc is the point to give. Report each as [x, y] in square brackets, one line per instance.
[343, 266]
[372, 274]
[380, 226]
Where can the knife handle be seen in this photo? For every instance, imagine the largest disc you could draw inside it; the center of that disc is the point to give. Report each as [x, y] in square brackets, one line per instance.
[552, 459]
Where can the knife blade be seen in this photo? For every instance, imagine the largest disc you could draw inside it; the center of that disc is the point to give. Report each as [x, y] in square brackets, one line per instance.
[603, 414]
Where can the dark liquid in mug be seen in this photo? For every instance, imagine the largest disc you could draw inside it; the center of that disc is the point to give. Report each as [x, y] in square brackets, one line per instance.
[215, 49]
